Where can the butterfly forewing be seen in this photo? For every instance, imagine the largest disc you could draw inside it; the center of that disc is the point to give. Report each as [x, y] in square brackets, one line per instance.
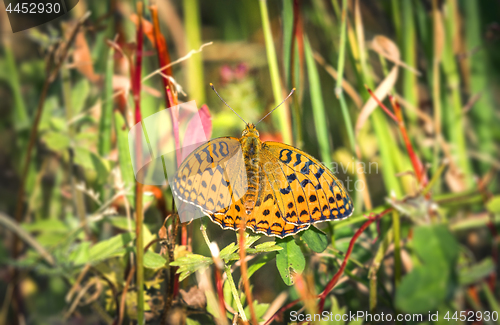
[308, 191]
[213, 176]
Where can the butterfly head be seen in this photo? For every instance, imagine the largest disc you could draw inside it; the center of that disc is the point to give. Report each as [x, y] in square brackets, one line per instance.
[250, 131]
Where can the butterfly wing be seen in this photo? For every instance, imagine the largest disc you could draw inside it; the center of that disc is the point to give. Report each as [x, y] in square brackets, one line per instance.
[265, 218]
[213, 176]
[307, 191]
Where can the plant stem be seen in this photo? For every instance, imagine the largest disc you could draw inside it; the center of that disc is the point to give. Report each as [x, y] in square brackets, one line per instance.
[136, 91]
[339, 273]
[396, 228]
[195, 64]
[234, 291]
[244, 273]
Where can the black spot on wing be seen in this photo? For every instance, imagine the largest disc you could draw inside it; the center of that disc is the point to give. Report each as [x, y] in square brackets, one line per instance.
[268, 197]
[290, 178]
[300, 199]
[285, 155]
[305, 182]
[286, 190]
[305, 170]
[299, 160]
[319, 173]
[223, 149]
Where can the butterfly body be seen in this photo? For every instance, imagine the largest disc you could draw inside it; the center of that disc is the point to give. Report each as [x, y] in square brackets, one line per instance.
[276, 189]
[251, 146]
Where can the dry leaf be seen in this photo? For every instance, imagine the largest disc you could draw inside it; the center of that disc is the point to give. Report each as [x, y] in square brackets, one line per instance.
[381, 43]
[82, 59]
[194, 298]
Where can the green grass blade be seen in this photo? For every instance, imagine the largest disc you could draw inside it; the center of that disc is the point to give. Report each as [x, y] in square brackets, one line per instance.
[124, 161]
[195, 76]
[409, 49]
[107, 108]
[20, 117]
[483, 111]
[454, 118]
[281, 114]
[318, 106]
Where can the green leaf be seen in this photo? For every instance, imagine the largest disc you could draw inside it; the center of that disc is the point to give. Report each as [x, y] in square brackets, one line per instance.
[81, 254]
[227, 251]
[50, 239]
[428, 284]
[190, 321]
[56, 141]
[89, 160]
[190, 264]
[476, 272]
[289, 260]
[260, 310]
[435, 245]
[110, 247]
[58, 123]
[493, 205]
[79, 94]
[154, 260]
[315, 239]
[122, 223]
[46, 225]
[261, 261]
[124, 160]
[423, 289]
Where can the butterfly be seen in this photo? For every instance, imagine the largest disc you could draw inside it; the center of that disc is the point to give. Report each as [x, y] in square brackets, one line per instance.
[278, 190]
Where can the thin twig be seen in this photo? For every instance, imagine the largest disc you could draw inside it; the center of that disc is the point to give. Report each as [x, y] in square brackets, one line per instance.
[337, 276]
[8, 222]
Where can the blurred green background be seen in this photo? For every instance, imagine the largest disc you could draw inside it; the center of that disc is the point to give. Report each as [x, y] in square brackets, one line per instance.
[70, 196]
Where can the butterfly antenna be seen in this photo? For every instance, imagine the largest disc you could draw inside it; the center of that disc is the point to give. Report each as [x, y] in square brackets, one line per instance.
[284, 100]
[213, 88]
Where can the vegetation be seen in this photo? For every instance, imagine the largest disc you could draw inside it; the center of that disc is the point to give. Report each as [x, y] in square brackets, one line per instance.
[398, 98]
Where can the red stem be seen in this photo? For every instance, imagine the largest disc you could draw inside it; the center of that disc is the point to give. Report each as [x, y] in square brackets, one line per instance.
[322, 296]
[417, 164]
[164, 60]
[220, 292]
[398, 118]
[339, 273]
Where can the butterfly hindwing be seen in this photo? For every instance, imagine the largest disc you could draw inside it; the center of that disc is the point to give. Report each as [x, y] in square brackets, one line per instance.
[265, 218]
[308, 191]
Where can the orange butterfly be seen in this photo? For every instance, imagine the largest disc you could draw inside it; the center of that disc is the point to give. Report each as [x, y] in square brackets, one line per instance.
[277, 189]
